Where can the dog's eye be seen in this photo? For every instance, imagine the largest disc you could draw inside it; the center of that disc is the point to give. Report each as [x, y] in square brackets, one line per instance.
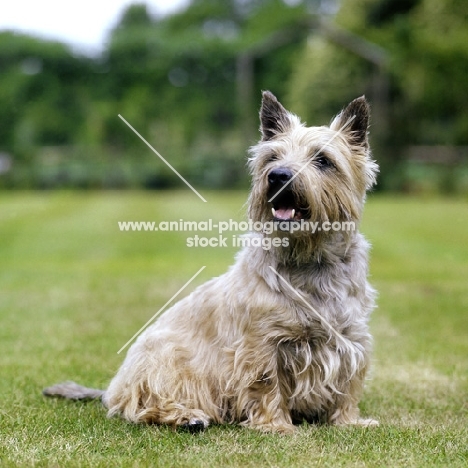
[271, 158]
[323, 162]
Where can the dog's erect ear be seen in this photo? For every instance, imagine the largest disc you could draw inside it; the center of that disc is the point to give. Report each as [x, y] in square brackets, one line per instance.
[354, 120]
[274, 118]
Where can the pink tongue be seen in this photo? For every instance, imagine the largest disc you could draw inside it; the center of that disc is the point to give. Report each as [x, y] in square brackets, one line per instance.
[284, 213]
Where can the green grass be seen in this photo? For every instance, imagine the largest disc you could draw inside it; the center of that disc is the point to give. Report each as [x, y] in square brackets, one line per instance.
[73, 290]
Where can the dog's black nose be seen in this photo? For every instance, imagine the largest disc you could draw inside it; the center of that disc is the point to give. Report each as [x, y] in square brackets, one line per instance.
[279, 176]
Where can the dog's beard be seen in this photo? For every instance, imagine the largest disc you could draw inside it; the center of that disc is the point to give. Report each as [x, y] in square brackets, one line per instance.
[291, 215]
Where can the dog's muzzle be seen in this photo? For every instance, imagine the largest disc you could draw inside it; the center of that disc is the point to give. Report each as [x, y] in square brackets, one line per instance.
[280, 194]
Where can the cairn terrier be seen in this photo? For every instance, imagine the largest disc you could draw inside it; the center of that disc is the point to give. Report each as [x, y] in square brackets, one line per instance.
[283, 336]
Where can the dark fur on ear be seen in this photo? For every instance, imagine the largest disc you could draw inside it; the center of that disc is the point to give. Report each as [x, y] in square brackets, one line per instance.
[273, 116]
[355, 116]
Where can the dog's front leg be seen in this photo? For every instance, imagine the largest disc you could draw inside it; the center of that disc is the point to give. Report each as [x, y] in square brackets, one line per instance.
[266, 415]
[346, 411]
[261, 400]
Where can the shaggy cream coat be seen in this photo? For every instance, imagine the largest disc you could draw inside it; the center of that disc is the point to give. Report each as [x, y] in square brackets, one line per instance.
[283, 335]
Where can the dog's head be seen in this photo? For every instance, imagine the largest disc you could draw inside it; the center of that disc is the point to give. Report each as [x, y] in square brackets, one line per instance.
[315, 174]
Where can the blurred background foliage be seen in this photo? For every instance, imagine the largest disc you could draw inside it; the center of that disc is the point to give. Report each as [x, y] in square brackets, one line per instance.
[190, 84]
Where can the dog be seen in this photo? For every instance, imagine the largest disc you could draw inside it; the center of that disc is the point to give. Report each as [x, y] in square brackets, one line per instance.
[283, 336]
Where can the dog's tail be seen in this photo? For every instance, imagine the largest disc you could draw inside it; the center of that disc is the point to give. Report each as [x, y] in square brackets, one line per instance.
[73, 391]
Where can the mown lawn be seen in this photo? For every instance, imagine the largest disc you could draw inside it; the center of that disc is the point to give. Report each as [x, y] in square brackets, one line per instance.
[73, 290]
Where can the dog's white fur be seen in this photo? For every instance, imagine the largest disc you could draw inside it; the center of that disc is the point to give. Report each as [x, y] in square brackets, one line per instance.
[283, 335]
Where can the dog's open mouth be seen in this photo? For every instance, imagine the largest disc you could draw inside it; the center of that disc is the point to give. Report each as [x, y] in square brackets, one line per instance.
[286, 207]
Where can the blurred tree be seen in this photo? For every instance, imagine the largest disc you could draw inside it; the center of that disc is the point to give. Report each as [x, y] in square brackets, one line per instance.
[180, 80]
[184, 69]
[40, 93]
[190, 83]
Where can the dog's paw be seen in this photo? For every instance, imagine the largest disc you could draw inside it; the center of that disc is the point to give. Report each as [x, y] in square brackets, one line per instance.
[366, 422]
[359, 422]
[194, 426]
[283, 428]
